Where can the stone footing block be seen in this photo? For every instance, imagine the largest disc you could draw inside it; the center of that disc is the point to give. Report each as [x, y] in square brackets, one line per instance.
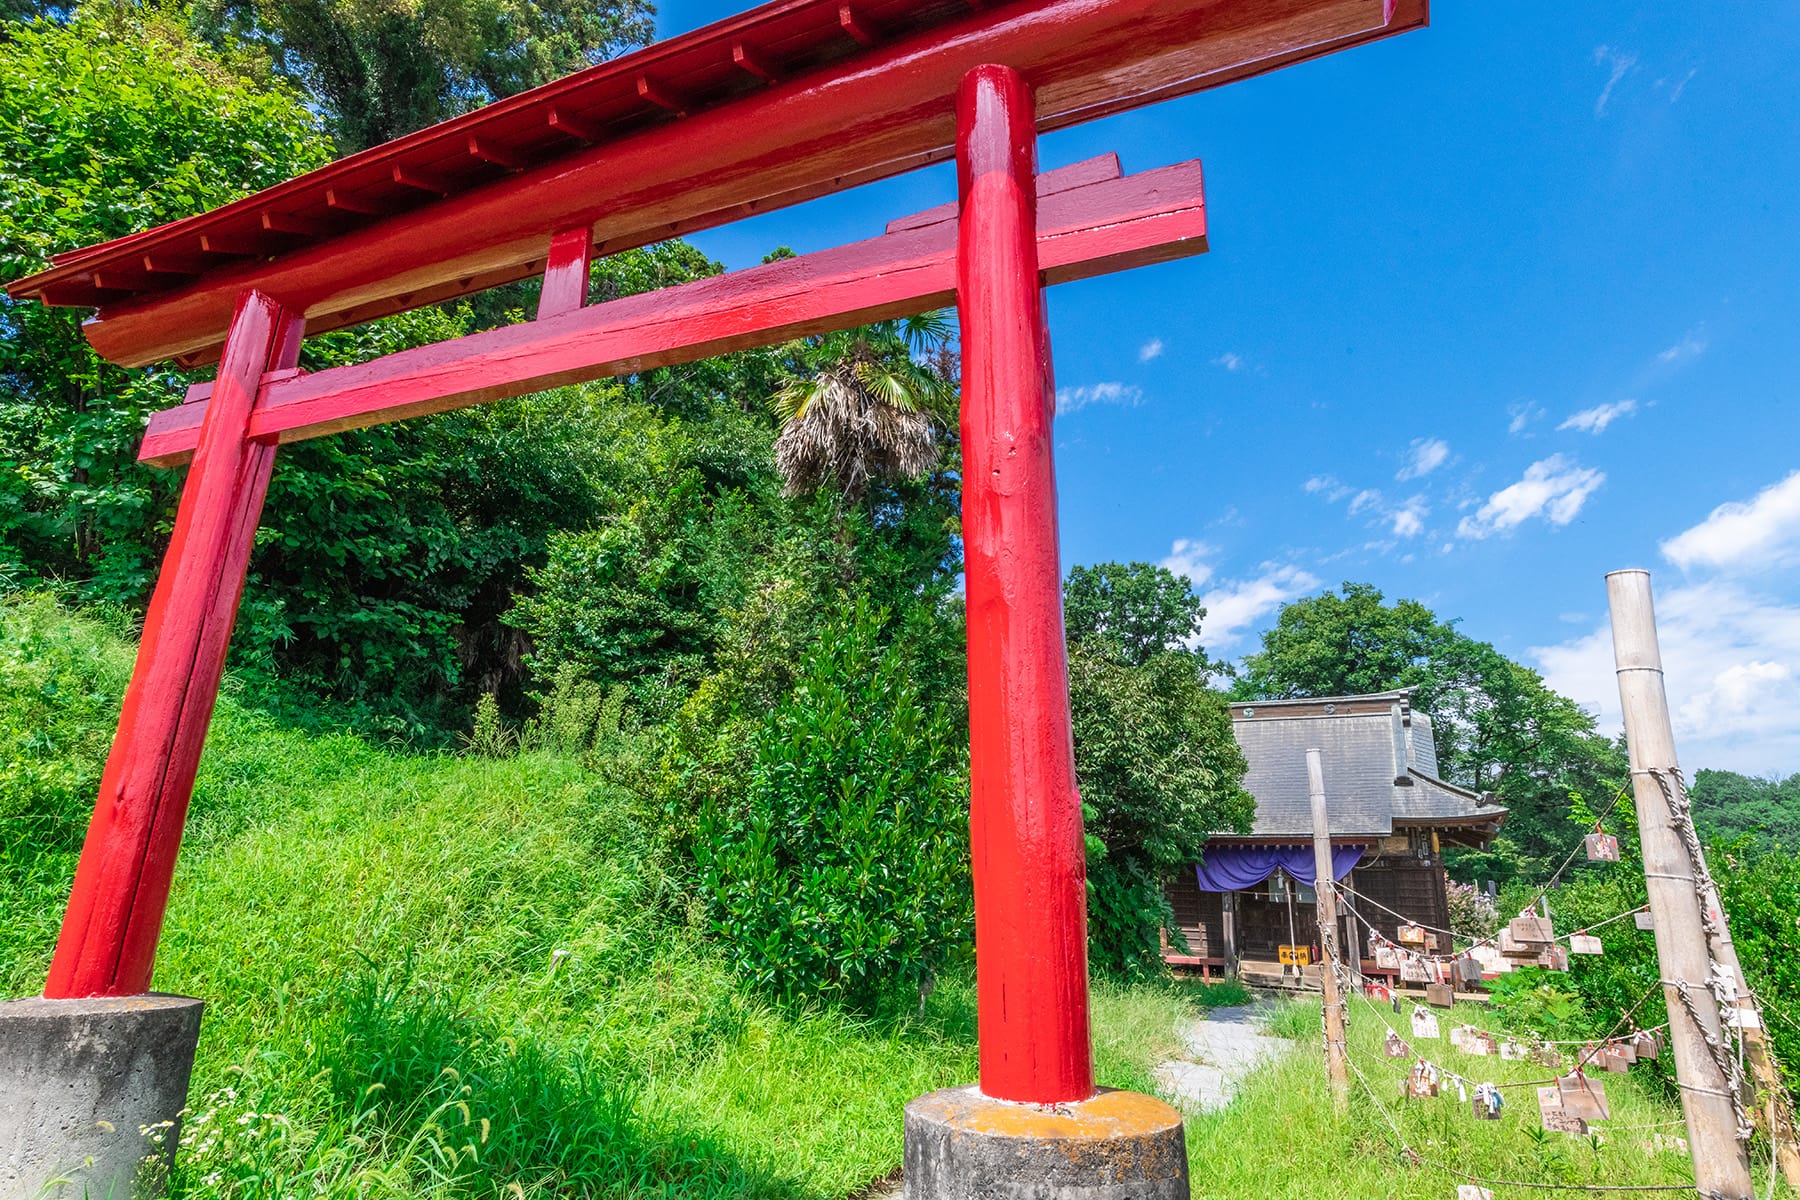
[961, 1145]
[79, 1082]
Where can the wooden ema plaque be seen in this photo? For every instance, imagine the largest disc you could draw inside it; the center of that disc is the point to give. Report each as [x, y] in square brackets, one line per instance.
[1394, 1047]
[1583, 1096]
[1440, 995]
[1530, 931]
[1556, 1118]
[1602, 847]
[1294, 956]
[1585, 943]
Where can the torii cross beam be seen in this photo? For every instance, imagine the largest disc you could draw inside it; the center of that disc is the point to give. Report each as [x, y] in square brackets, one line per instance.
[793, 100]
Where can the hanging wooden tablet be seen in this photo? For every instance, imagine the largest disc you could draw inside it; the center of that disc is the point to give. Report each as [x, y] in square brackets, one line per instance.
[1602, 847]
[1393, 1047]
[1459, 1038]
[1411, 935]
[1387, 957]
[1421, 1081]
[1739, 1016]
[1584, 943]
[1466, 970]
[1414, 970]
[1440, 995]
[1554, 1117]
[1583, 1095]
[1555, 958]
[1643, 920]
[1625, 1048]
[1530, 930]
[1488, 1102]
[1424, 1023]
[1546, 1055]
[1512, 1051]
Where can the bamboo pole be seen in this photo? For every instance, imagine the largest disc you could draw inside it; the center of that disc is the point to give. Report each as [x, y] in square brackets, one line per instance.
[1325, 895]
[1721, 1160]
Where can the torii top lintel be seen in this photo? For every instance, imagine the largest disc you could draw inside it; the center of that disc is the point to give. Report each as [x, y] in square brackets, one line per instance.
[789, 101]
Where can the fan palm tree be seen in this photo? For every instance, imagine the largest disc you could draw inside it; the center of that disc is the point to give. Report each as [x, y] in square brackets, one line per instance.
[857, 407]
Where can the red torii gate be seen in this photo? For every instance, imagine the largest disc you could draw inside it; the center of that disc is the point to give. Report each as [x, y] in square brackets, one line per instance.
[793, 100]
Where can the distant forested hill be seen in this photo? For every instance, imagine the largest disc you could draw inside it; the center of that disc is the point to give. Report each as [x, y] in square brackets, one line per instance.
[1728, 805]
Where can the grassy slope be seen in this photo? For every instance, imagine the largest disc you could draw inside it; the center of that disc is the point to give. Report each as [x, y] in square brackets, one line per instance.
[450, 975]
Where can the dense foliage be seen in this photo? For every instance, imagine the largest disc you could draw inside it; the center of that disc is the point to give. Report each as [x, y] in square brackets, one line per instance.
[1730, 806]
[844, 869]
[1498, 726]
[382, 68]
[105, 129]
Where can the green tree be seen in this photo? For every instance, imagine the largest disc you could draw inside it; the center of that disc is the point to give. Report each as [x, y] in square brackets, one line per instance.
[844, 870]
[1160, 772]
[1346, 644]
[1730, 806]
[105, 129]
[1498, 726]
[1159, 768]
[383, 68]
[1143, 609]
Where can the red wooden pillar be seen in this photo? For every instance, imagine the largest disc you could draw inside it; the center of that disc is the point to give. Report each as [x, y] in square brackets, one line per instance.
[1025, 819]
[109, 933]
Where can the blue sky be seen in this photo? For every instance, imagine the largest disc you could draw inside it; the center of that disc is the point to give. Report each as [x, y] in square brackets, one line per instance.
[1491, 309]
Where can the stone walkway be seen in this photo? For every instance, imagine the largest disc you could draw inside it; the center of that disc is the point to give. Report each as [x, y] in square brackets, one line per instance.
[1222, 1048]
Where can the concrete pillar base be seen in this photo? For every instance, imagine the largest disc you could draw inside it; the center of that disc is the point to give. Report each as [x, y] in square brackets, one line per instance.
[961, 1145]
[80, 1080]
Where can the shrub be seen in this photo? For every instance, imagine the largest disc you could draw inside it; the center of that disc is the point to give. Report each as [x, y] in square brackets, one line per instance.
[1473, 915]
[1160, 772]
[844, 870]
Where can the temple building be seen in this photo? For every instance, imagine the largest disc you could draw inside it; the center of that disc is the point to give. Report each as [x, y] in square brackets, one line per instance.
[1390, 817]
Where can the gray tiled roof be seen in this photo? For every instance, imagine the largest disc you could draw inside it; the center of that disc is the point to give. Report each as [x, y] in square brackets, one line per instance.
[1380, 766]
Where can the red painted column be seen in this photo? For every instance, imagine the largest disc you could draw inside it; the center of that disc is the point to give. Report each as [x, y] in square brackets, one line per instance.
[109, 933]
[1025, 819]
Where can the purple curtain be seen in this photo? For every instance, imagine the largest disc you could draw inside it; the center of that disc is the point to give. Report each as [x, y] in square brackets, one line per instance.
[1233, 868]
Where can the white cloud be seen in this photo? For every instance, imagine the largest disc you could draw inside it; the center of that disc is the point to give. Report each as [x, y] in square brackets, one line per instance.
[1425, 456]
[1618, 63]
[1597, 418]
[1680, 85]
[1230, 361]
[1756, 534]
[1075, 399]
[1367, 498]
[1235, 607]
[1554, 488]
[1319, 483]
[1731, 664]
[1187, 558]
[1691, 345]
[1409, 519]
[1150, 349]
[1522, 415]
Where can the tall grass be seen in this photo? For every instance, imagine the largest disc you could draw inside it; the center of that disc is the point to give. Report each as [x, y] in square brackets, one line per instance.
[1282, 1138]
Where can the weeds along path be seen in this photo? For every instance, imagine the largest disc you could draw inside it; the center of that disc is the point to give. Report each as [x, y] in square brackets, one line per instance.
[1220, 1048]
